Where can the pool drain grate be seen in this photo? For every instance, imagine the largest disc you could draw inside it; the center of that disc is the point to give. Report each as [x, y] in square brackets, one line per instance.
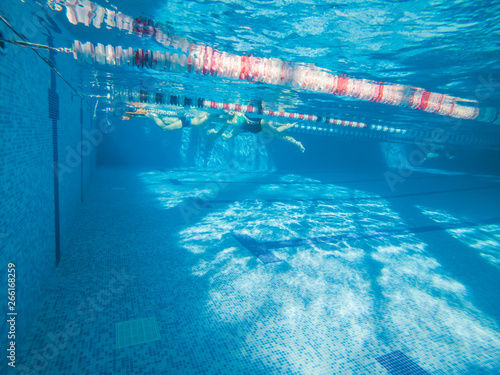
[137, 331]
[397, 363]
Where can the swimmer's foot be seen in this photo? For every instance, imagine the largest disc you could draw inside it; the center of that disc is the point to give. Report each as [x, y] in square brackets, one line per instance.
[141, 111]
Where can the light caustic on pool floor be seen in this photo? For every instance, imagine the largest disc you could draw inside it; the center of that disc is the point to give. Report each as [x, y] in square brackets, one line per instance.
[337, 304]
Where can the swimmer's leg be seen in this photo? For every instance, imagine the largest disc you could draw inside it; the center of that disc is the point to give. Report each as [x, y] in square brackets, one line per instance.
[233, 133]
[285, 127]
[173, 126]
[230, 135]
[169, 120]
[270, 126]
[138, 112]
[287, 138]
[220, 133]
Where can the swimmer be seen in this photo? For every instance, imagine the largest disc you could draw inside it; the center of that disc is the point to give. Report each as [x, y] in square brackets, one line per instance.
[241, 124]
[167, 123]
[173, 123]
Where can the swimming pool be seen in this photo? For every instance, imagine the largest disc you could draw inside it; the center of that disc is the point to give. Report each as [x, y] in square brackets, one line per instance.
[158, 218]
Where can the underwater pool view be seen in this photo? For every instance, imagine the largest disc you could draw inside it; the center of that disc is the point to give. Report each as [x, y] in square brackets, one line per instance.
[250, 187]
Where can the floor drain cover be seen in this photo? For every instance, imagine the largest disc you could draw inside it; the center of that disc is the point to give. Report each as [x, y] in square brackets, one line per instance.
[397, 363]
[137, 331]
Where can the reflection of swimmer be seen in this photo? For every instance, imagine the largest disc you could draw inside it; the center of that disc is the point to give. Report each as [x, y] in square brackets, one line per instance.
[241, 124]
[439, 151]
[431, 155]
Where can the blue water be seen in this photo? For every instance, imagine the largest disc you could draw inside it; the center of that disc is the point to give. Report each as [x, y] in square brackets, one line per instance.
[447, 48]
[369, 253]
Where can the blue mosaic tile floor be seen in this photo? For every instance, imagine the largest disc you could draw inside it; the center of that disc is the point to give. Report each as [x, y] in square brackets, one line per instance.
[166, 245]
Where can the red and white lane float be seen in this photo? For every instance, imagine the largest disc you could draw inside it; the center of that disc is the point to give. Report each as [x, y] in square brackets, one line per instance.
[202, 59]
[206, 61]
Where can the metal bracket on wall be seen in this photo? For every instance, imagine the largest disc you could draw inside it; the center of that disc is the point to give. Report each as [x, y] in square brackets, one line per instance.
[2, 44]
[34, 48]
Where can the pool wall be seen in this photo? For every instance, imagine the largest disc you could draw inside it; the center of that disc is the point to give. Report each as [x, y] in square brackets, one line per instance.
[43, 125]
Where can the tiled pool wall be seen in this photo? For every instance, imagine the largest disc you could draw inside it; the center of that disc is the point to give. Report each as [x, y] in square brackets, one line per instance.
[31, 192]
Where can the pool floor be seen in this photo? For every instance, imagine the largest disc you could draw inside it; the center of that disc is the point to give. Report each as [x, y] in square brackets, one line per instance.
[189, 272]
